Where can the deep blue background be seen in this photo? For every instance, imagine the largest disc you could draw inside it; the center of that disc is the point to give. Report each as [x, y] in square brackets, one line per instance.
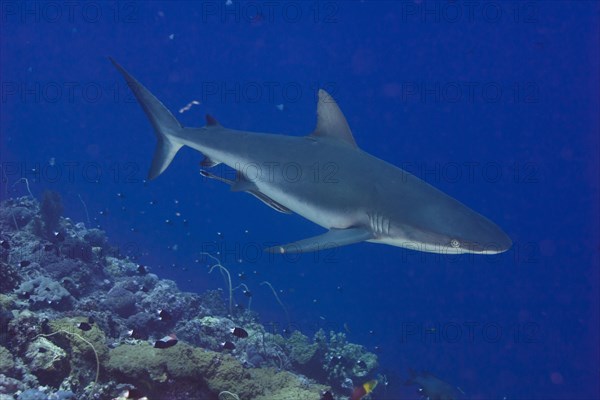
[525, 156]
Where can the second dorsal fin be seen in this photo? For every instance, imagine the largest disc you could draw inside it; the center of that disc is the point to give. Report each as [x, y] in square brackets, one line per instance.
[211, 121]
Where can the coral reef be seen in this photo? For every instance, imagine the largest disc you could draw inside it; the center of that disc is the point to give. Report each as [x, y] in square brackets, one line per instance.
[78, 321]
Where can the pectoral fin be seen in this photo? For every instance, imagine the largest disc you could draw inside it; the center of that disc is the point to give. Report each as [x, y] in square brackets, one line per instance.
[332, 238]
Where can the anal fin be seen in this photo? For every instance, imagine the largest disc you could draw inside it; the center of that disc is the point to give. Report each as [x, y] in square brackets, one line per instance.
[208, 162]
[332, 238]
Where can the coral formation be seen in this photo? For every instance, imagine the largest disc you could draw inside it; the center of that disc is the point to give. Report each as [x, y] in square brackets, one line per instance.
[77, 321]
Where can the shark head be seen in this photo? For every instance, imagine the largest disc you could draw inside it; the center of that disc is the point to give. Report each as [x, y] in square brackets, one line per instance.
[442, 226]
[479, 236]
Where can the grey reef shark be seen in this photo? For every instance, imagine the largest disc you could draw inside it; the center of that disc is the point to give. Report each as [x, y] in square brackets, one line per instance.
[326, 178]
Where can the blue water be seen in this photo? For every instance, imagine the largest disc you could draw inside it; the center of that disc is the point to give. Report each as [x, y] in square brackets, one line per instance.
[494, 103]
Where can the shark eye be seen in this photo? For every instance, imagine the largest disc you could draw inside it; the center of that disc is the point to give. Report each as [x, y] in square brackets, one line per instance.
[455, 243]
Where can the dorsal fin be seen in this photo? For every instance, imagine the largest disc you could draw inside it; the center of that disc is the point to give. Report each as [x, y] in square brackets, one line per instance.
[331, 121]
[211, 121]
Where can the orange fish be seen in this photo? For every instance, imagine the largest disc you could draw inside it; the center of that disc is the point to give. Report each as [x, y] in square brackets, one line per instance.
[363, 390]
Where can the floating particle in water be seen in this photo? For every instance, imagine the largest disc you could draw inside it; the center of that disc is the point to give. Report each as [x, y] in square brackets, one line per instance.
[188, 106]
[557, 378]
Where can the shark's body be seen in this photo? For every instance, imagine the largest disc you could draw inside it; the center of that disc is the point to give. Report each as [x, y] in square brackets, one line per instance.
[328, 180]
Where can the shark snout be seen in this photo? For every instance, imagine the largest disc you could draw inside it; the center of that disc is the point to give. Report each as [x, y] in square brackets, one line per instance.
[483, 237]
[499, 244]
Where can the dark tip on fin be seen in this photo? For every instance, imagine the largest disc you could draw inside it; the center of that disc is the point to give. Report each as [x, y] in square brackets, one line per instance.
[211, 121]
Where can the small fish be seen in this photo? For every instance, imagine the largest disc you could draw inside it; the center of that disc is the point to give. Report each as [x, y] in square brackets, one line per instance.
[247, 293]
[228, 345]
[326, 395]
[166, 342]
[131, 394]
[91, 320]
[361, 364]
[59, 236]
[24, 295]
[336, 359]
[239, 332]
[363, 390]
[5, 244]
[137, 334]
[431, 386]
[49, 247]
[142, 270]
[84, 326]
[164, 315]
[24, 263]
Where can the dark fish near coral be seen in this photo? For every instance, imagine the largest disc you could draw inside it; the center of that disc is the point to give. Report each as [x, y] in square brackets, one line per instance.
[228, 345]
[5, 244]
[166, 342]
[24, 263]
[131, 394]
[142, 270]
[84, 326]
[59, 236]
[247, 293]
[363, 390]
[45, 326]
[24, 295]
[239, 332]
[91, 320]
[164, 315]
[326, 395]
[137, 334]
[49, 247]
[431, 386]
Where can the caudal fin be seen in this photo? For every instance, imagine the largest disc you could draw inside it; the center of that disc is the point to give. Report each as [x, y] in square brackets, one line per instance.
[164, 123]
